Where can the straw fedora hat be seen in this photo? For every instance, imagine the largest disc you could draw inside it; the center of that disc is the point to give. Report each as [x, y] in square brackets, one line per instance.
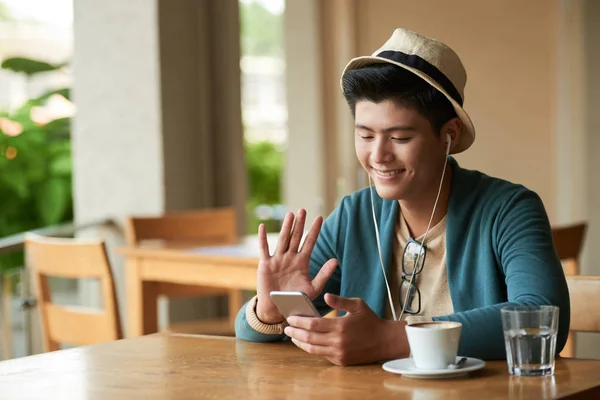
[432, 61]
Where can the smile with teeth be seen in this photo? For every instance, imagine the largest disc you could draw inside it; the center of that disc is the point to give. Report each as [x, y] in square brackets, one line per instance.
[389, 172]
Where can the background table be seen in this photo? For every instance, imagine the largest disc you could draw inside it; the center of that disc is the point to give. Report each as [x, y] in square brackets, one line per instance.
[163, 366]
[150, 265]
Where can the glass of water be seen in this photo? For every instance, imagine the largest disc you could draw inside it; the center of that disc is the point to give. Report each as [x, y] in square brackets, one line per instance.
[530, 339]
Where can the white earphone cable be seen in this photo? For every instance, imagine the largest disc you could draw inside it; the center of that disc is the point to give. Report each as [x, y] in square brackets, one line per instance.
[387, 285]
[389, 293]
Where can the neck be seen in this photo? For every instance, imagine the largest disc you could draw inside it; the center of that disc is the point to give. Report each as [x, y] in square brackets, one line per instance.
[417, 213]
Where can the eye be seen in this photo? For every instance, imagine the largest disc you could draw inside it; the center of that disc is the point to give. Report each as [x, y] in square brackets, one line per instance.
[401, 140]
[365, 137]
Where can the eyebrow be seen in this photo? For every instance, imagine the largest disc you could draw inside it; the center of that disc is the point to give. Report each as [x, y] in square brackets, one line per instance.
[388, 130]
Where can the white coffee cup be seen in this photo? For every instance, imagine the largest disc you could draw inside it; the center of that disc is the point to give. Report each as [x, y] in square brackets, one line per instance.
[434, 345]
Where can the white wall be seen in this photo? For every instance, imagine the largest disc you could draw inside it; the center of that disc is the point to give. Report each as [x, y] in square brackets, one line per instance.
[507, 48]
[587, 159]
[592, 126]
[117, 139]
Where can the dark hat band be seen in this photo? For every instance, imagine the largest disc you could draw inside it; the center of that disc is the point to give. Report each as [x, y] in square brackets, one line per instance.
[416, 62]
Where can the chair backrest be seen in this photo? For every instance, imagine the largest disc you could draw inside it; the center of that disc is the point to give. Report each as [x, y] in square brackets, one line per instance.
[74, 259]
[584, 291]
[210, 226]
[568, 241]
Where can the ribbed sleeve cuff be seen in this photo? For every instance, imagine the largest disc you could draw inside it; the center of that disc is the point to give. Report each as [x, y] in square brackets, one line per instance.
[258, 325]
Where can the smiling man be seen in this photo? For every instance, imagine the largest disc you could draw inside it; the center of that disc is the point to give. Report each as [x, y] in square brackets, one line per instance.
[433, 241]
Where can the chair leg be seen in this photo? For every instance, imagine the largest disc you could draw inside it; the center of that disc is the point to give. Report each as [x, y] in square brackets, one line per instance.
[236, 301]
[569, 349]
[52, 346]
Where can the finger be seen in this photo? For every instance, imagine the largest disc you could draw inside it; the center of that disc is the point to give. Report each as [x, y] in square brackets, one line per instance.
[319, 339]
[314, 349]
[319, 281]
[312, 324]
[263, 244]
[298, 230]
[311, 237]
[353, 305]
[284, 235]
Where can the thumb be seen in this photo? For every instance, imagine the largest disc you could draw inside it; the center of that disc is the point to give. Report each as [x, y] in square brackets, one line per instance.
[353, 305]
[324, 274]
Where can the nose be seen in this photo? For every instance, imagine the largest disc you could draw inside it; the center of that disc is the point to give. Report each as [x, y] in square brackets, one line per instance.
[381, 152]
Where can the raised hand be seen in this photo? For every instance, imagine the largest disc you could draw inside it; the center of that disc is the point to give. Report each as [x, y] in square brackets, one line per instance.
[288, 268]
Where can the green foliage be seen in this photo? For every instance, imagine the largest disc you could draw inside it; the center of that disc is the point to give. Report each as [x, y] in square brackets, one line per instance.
[4, 12]
[261, 30]
[64, 92]
[28, 66]
[35, 168]
[264, 165]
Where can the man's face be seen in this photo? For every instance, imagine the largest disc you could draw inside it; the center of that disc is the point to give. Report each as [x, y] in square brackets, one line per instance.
[399, 149]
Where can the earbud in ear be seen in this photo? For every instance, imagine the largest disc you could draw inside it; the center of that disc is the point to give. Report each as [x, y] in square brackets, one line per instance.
[448, 142]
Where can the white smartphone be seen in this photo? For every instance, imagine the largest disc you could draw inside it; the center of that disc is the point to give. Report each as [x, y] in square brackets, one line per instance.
[294, 304]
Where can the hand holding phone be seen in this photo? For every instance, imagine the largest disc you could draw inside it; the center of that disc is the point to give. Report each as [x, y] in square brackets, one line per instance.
[292, 303]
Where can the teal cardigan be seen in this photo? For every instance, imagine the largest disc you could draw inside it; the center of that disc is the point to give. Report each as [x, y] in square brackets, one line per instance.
[499, 251]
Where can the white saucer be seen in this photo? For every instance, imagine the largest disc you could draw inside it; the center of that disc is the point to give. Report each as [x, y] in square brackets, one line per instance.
[406, 367]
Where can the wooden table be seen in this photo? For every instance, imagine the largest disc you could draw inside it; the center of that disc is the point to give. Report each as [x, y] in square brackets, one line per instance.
[164, 366]
[231, 267]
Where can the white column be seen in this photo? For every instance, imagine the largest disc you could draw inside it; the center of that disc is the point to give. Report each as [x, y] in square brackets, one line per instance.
[570, 173]
[117, 135]
[304, 183]
[340, 45]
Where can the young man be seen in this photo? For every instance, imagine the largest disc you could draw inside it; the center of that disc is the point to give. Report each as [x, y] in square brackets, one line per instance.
[455, 244]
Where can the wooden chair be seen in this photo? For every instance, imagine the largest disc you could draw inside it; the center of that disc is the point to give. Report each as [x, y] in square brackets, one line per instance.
[568, 242]
[584, 292]
[74, 259]
[216, 226]
[203, 227]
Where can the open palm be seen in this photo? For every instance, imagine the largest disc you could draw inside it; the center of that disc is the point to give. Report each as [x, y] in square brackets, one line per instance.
[288, 268]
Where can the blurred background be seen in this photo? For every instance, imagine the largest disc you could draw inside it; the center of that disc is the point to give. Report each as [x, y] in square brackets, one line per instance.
[112, 108]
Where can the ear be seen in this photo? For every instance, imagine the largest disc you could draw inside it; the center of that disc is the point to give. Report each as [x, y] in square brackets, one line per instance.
[453, 128]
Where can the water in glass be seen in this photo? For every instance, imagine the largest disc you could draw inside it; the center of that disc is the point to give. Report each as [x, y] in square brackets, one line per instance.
[530, 338]
[530, 351]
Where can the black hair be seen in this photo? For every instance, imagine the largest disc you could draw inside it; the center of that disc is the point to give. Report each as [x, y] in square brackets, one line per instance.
[379, 82]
